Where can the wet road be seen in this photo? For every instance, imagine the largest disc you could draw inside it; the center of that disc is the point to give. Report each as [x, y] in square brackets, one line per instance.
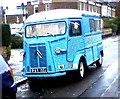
[99, 82]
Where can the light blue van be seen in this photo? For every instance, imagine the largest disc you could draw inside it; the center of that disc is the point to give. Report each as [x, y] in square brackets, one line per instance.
[61, 40]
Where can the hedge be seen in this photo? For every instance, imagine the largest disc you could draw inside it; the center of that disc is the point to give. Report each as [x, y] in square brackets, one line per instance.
[6, 40]
[118, 24]
[6, 35]
[110, 23]
[16, 41]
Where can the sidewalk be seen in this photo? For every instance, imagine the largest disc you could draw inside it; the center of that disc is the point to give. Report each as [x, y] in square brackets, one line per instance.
[16, 63]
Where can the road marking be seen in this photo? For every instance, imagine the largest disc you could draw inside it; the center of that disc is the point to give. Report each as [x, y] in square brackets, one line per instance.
[109, 86]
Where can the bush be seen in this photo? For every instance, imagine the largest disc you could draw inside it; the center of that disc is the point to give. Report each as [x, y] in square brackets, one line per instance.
[110, 23]
[6, 35]
[17, 42]
[7, 52]
[6, 40]
[118, 24]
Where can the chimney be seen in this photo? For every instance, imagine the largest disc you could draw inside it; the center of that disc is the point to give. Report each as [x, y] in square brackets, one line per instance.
[29, 3]
[7, 8]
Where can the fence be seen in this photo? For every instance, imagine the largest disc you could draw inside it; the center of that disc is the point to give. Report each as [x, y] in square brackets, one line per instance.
[107, 31]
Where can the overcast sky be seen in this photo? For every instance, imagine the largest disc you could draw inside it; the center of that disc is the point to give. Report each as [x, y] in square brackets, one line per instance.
[12, 3]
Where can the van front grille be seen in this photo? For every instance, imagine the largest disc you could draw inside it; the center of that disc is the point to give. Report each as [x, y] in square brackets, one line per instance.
[38, 56]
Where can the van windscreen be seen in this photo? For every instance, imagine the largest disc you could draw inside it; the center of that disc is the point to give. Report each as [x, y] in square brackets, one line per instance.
[46, 29]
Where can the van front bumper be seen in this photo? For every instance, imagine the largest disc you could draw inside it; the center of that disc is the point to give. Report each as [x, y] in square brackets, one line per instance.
[44, 75]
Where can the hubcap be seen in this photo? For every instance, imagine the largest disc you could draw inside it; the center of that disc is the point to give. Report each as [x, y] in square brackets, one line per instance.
[81, 69]
[100, 60]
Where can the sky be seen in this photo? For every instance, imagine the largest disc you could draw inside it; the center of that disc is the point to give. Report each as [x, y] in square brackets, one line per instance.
[12, 3]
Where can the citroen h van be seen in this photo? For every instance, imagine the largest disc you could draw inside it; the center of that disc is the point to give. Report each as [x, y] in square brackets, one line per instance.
[61, 40]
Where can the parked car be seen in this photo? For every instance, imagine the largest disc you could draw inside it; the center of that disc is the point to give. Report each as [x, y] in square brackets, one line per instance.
[8, 87]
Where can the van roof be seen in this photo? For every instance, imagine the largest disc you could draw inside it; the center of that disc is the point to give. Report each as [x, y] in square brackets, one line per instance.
[58, 14]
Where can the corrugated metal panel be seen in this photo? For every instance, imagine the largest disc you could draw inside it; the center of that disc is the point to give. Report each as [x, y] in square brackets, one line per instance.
[42, 59]
[33, 57]
[36, 59]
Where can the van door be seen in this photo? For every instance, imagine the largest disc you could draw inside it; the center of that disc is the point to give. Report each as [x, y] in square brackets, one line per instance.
[75, 39]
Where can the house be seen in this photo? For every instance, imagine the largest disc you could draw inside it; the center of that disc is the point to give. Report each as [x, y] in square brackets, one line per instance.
[118, 9]
[19, 14]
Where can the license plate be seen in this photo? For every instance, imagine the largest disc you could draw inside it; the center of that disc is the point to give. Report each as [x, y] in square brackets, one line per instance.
[39, 70]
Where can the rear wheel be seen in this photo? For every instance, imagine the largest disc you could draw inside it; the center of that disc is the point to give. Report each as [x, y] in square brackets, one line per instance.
[100, 61]
[82, 69]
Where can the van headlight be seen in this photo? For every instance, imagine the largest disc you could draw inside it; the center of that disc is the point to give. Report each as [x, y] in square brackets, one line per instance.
[58, 50]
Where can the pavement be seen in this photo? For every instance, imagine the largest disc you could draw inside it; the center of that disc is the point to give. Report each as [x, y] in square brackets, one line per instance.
[16, 63]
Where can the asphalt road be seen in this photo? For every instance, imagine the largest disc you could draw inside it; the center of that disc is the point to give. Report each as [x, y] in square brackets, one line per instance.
[99, 82]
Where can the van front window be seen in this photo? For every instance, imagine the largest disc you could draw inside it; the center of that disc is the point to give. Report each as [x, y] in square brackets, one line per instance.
[47, 29]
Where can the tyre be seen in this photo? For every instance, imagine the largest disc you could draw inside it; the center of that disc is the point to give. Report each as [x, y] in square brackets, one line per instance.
[100, 61]
[82, 69]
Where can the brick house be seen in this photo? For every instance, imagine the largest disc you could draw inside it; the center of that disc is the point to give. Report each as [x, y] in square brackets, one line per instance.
[118, 9]
[37, 6]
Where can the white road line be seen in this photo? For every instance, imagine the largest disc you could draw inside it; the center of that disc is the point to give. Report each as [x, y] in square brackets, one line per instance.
[109, 86]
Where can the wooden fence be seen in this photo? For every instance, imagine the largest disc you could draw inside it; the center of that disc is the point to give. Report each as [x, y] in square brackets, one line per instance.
[107, 31]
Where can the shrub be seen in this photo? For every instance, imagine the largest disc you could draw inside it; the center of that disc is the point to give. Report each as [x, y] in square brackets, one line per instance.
[17, 42]
[6, 40]
[7, 51]
[118, 25]
[6, 35]
[110, 23]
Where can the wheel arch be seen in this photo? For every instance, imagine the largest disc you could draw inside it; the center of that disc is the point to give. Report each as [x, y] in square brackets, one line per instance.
[101, 52]
[77, 60]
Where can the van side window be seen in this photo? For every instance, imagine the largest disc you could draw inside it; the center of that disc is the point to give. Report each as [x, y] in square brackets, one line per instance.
[92, 26]
[97, 25]
[75, 28]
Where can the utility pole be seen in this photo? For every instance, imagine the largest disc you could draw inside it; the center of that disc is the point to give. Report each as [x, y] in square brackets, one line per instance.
[23, 7]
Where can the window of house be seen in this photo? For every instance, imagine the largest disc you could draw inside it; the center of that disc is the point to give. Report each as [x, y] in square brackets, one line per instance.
[94, 8]
[18, 19]
[82, 5]
[91, 8]
[36, 10]
[75, 28]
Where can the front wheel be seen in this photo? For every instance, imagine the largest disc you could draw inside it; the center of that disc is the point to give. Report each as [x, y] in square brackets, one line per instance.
[100, 61]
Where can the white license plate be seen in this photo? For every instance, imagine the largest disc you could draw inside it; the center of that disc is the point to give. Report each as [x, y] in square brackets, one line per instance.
[39, 70]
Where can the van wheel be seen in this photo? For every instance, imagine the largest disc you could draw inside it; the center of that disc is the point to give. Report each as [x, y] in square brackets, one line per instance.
[82, 69]
[100, 61]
